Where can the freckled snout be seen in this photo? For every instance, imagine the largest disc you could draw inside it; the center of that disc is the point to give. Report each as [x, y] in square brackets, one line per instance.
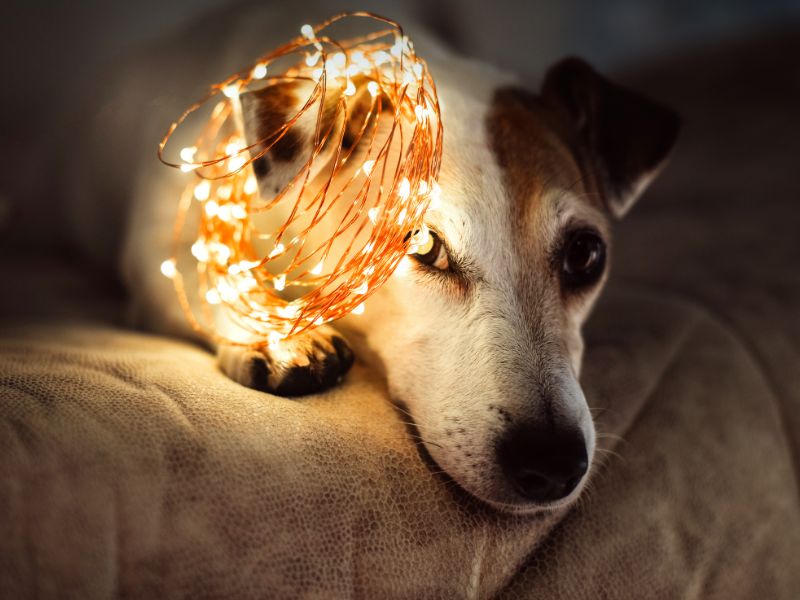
[544, 462]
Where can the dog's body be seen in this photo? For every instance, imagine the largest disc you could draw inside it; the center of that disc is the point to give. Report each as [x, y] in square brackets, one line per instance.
[479, 342]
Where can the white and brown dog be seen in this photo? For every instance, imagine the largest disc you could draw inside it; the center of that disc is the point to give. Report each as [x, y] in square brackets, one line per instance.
[479, 336]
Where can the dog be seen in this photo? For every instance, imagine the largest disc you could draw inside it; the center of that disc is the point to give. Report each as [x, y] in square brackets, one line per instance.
[478, 334]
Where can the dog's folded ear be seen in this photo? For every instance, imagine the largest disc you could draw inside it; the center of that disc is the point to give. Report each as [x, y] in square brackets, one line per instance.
[278, 150]
[623, 138]
[280, 125]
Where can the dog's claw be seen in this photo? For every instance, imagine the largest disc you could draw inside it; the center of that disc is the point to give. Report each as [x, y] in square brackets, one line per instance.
[318, 361]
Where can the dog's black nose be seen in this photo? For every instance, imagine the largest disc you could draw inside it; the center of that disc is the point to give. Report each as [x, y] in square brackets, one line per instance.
[545, 463]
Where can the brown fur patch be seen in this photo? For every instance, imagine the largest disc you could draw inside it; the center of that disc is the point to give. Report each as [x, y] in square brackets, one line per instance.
[270, 107]
[537, 152]
[532, 144]
[361, 118]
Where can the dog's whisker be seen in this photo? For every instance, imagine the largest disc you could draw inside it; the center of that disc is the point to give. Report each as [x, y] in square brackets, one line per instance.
[605, 452]
[418, 438]
[612, 436]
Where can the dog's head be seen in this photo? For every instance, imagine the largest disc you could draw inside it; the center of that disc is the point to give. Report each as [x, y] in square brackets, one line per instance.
[479, 334]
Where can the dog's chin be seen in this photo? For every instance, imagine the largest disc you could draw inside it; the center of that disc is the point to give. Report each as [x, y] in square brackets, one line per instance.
[523, 506]
[502, 497]
[512, 503]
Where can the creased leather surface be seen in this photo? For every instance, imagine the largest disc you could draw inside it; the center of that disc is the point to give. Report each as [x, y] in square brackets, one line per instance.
[130, 466]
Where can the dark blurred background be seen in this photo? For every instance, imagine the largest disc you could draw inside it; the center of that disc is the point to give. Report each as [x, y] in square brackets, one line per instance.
[51, 48]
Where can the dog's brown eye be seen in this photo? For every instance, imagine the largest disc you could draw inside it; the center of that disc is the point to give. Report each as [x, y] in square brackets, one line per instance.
[432, 252]
[584, 258]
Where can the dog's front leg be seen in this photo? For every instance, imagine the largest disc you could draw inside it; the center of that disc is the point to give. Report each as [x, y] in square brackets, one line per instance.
[305, 364]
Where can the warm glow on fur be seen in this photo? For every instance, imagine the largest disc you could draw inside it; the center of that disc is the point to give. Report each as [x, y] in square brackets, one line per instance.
[241, 263]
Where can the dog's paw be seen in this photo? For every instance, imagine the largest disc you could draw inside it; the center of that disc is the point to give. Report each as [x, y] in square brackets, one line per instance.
[305, 364]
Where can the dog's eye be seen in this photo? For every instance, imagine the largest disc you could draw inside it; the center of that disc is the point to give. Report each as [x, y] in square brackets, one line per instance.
[432, 253]
[583, 258]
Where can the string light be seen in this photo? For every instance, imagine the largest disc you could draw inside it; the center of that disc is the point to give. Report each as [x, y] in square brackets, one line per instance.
[168, 268]
[259, 71]
[268, 273]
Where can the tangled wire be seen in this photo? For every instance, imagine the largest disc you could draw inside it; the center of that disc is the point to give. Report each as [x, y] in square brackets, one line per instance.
[281, 261]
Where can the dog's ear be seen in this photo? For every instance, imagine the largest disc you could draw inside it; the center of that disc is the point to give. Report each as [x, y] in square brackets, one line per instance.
[622, 137]
[279, 152]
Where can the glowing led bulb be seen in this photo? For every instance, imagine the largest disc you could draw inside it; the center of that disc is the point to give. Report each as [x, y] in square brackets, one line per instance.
[372, 213]
[362, 289]
[224, 192]
[212, 296]
[187, 154]
[350, 90]
[279, 283]
[221, 252]
[339, 60]
[168, 269]
[239, 211]
[249, 264]
[232, 147]
[226, 291]
[260, 71]
[367, 167]
[404, 191]
[250, 186]
[231, 91]
[237, 162]
[401, 217]
[313, 59]
[200, 251]
[317, 270]
[359, 310]
[243, 265]
[277, 250]
[288, 312]
[211, 208]
[373, 88]
[224, 212]
[307, 31]
[188, 168]
[202, 190]
[246, 284]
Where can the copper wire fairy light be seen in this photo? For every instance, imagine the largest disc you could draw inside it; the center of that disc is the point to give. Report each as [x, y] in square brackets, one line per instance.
[387, 196]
